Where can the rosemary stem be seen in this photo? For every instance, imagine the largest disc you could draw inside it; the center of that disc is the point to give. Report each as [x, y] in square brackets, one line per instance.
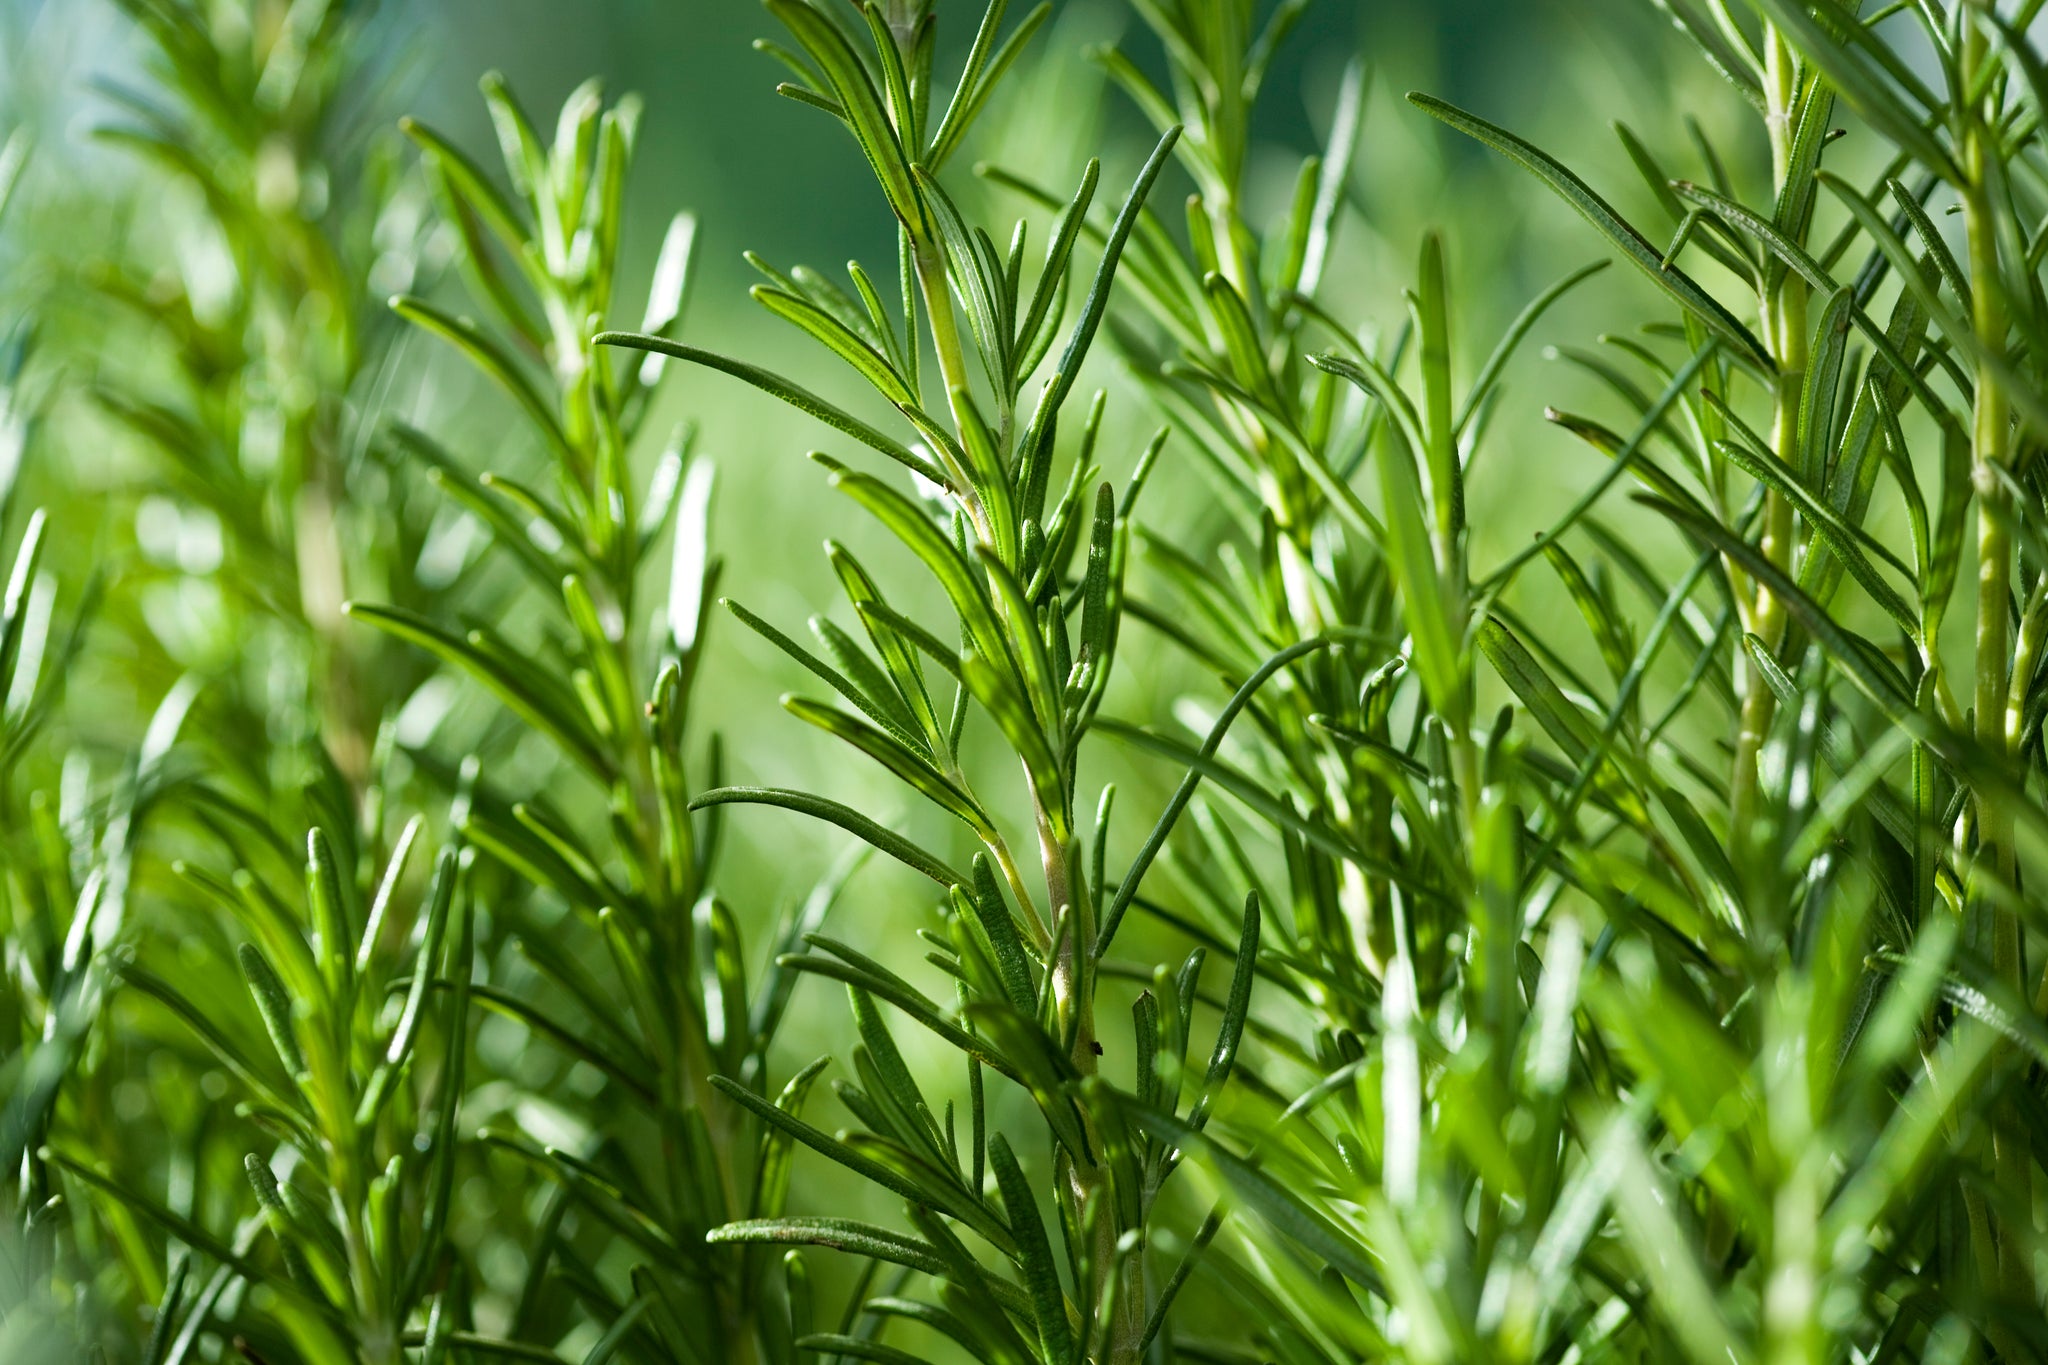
[1785, 326]
[1990, 449]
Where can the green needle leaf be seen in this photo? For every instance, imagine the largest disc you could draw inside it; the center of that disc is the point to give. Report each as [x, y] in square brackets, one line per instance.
[840, 1234]
[1034, 1252]
[832, 812]
[275, 1005]
[776, 386]
[1083, 336]
[1235, 1011]
[489, 357]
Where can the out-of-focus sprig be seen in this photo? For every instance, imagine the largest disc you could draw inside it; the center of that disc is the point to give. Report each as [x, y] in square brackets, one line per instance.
[633, 966]
[263, 502]
[353, 1186]
[67, 863]
[251, 509]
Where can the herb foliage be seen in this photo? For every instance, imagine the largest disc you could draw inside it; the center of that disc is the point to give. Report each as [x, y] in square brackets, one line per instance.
[1625, 946]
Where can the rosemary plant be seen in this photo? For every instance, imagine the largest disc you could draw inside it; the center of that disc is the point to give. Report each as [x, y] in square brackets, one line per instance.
[1794, 994]
[613, 916]
[69, 859]
[1632, 940]
[49, 990]
[1925, 871]
[255, 430]
[1037, 635]
[249, 431]
[1395, 807]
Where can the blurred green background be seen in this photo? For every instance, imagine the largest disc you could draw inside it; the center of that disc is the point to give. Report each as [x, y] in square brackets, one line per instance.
[768, 175]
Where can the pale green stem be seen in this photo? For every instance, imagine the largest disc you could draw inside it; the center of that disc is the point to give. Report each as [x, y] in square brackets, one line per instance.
[1785, 316]
[1991, 438]
[938, 308]
[1117, 1279]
